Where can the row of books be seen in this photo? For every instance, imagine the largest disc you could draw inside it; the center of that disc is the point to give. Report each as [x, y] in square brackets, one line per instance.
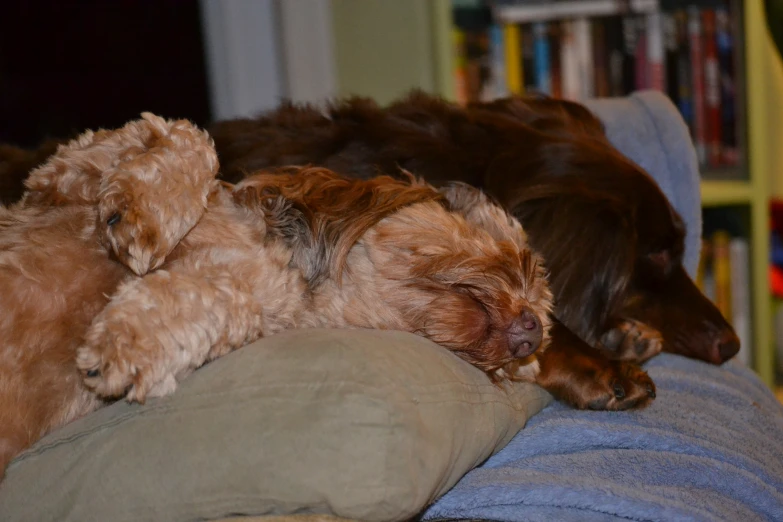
[688, 53]
[724, 277]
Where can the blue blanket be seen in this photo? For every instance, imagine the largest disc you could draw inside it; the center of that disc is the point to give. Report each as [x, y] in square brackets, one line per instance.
[709, 448]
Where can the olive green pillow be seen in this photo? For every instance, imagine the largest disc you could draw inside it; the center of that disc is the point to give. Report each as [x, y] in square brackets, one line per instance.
[359, 424]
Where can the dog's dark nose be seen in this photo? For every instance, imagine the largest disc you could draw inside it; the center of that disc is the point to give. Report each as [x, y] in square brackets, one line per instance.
[725, 346]
[524, 334]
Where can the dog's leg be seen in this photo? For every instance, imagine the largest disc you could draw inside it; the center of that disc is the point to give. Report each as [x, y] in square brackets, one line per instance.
[631, 340]
[582, 376]
[158, 329]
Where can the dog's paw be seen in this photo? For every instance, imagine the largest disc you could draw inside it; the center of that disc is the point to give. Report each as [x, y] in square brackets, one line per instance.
[631, 340]
[117, 361]
[130, 227]
[618, 386]
[596, 383]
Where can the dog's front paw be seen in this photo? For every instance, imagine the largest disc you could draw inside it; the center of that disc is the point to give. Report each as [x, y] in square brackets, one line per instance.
[631, 340]
[131, 227]
[592, 382]
[118, 360]
[619, 386]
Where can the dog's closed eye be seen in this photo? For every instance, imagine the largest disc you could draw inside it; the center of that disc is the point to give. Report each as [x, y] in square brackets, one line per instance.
[662, 260]
[114, 219]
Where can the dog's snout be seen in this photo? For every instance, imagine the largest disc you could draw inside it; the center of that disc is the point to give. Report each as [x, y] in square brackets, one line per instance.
[524, 334]
[725, 346]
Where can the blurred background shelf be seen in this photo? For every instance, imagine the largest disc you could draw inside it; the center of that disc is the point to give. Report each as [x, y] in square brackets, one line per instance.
[718, 193]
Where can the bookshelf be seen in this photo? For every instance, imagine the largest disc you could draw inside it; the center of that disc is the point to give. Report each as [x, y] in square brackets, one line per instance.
[385, 48]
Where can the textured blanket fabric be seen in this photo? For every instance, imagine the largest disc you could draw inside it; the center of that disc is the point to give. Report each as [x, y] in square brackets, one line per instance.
[647, 128]
[709, 448]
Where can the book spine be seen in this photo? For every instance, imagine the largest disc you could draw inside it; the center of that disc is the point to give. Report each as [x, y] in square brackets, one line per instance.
[584, 49]
[629, 53]
[498, 86]
[541, 58]
[600, 58]
[739, 259]
[555, 70]
[669, 27]
[569, 66]
[460, 66]
[712, 99]
[655, 71]
[684, 71]
[703, 267]
[708, 274]
[695, 36]
[512, 57]
[615, 53]
[528, 59]
[641, 80]
[728, 94]
[722, 272]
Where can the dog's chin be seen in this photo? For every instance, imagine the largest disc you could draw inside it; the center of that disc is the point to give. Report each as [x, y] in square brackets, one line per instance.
[524, 369]
[525, 350]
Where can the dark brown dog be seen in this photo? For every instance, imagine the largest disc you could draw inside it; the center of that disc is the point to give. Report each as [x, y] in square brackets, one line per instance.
[609, 236]
[16, 163]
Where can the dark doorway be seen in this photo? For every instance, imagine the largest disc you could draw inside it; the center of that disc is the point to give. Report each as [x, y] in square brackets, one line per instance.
[66, 66]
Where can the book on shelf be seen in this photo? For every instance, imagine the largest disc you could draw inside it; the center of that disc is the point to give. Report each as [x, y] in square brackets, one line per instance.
[724, 277]
[593, 48]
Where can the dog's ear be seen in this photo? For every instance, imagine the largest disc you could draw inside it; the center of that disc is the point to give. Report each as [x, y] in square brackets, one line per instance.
[286, 217]
[46, 184]
[482, 210]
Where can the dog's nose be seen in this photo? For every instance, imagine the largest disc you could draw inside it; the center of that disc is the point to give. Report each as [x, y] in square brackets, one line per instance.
[725, 347]
[524, 334]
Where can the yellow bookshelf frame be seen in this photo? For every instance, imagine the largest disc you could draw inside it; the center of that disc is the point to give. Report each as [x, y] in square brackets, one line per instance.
[758, 149]
[412, 41]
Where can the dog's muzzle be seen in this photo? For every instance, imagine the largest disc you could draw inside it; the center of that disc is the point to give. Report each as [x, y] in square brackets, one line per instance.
[524, 334]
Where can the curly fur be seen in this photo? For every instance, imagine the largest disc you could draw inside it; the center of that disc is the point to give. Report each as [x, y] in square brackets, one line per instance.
[60, 259]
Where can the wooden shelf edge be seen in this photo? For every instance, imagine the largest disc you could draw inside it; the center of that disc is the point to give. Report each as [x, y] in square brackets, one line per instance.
[517, 14]
[719, 193]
